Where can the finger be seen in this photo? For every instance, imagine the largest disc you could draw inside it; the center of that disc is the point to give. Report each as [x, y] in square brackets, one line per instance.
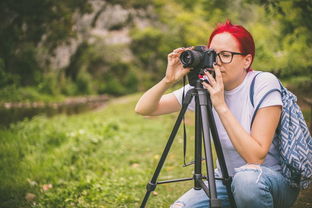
[182, 49]
[218, 74]
[173, 55]
[170, 54]
[189, 48]
[211, 80]
[178, 50]
[186, 71]
[208, 87]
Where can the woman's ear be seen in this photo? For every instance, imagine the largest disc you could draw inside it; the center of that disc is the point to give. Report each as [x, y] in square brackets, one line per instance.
[247, 61]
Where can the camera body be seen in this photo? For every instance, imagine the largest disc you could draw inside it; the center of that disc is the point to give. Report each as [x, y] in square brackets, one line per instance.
[199, 59]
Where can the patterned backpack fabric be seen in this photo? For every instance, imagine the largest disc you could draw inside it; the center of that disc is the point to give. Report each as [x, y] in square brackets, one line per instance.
[293, 139]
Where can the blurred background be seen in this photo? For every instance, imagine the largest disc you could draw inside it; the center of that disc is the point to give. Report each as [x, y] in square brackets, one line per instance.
[70, 56]
[54, 49]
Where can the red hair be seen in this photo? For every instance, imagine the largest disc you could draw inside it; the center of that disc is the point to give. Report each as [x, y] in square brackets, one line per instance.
[244, 39]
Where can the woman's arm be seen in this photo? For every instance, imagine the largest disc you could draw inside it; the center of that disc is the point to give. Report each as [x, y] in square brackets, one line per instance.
[154, 102]
[254, 146]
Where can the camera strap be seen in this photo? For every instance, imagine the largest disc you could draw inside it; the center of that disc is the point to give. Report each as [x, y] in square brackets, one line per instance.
[184, 128]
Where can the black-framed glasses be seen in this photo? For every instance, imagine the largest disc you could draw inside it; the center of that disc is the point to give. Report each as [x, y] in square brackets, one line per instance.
[226, 57]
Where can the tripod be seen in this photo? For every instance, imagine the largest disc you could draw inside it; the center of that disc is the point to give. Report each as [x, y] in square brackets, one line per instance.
[203, 120]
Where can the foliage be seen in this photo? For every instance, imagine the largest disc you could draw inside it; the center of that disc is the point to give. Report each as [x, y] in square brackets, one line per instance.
[34, 21]
[27, 94]
[292, 35]
[30, 31]
[100, 68]
[27, 25]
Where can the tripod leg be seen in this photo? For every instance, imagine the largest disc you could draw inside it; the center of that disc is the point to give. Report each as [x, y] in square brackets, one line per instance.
[153, 183]
[198, 148]
[203, 102]
[227, 180]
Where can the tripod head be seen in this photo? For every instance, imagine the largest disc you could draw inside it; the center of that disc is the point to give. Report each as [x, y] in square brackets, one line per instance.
[194, 76]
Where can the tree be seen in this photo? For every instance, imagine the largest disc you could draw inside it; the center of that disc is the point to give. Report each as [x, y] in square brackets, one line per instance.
[295, 34]
[26, 24]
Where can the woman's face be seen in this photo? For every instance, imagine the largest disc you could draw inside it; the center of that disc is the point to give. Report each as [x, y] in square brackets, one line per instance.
[233, 73]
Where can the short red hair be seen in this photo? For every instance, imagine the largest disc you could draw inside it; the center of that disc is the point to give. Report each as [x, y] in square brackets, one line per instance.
[244, 38]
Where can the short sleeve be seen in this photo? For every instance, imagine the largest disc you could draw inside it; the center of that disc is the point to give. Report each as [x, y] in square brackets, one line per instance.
[264, 83]
[178, 94]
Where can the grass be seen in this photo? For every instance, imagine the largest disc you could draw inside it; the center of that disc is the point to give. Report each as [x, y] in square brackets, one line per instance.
[100, 159]
[97, 159]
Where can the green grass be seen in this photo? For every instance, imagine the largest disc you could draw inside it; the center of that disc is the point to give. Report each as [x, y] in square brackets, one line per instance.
[95, 159]
[100, 159]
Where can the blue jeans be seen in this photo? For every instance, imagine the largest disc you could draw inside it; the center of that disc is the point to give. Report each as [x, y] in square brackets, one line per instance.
[253, 186]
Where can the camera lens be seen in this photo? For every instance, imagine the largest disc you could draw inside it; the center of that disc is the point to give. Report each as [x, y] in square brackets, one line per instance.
[190, 58]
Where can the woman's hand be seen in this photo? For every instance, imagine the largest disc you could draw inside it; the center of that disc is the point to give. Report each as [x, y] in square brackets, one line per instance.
[215, 88]
[175, 70]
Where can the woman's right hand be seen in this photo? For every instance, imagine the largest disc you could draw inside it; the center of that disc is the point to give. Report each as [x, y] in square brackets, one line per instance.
[175, 70]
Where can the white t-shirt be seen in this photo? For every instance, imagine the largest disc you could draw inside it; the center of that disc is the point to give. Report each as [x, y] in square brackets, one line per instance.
[239, 104]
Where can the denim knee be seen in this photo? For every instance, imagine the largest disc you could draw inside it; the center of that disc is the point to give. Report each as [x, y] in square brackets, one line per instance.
[248, 189]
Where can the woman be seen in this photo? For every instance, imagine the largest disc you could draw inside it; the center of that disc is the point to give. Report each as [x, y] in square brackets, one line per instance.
[250, 153]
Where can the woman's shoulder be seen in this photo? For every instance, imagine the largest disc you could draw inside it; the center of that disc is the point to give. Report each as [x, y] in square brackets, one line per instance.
[263, 77]
[263, 74]
[265, 81]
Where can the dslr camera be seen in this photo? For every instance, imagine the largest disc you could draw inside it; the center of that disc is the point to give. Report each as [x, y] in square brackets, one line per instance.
[199, 59]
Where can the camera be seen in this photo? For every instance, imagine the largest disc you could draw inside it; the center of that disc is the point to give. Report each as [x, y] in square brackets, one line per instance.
[199, 59]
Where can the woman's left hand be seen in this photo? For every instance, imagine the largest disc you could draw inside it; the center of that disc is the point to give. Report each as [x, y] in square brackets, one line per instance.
[215, 88]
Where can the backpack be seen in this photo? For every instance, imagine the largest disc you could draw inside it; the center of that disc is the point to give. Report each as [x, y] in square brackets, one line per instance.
[293, 139]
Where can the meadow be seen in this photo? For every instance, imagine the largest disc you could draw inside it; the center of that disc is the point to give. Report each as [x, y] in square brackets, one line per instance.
[98, 159]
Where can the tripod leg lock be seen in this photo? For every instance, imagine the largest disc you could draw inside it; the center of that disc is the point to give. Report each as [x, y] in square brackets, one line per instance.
[198, 177]
[151, 186]
[227, 181]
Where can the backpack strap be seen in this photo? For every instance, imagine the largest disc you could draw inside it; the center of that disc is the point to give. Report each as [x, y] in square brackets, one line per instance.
[251, 96]
[258, 106]
[252, 88]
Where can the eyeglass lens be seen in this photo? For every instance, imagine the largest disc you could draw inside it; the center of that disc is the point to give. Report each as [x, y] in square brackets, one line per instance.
[225, 57]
